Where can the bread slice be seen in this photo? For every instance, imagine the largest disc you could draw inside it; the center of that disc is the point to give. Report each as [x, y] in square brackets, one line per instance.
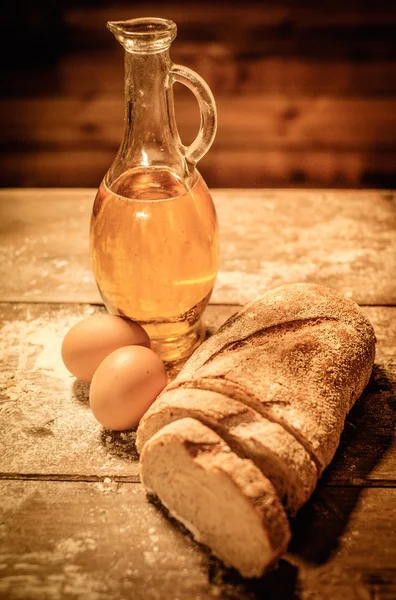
[223, 500]
[279, 456]
[300, 355]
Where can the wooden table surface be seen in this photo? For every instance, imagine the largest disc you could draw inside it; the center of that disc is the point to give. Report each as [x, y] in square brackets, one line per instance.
[75, 522]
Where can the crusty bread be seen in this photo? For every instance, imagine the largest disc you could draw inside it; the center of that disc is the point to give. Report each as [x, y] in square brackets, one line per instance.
[300, 355]
[274, 450]
[276, 383]
[224, 500]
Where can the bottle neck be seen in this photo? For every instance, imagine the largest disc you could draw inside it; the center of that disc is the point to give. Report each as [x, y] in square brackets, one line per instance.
[150, 135]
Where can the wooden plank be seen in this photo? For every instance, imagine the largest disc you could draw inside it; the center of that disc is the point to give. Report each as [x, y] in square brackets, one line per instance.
[220, 168]
[38, 241]
[303, 169]
[225, 70]
[343, 239]
[262, 141]
[105, 541]
[92, 541]
[323, 237]
[313, 77]
[273, 12]
[274, 28]
[267, 122]
[63, 168]
[47, 427]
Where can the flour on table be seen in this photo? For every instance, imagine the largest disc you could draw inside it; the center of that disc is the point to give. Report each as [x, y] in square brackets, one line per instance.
[37, 342]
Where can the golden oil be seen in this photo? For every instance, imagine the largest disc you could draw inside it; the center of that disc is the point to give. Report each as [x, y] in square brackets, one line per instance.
[154, 249]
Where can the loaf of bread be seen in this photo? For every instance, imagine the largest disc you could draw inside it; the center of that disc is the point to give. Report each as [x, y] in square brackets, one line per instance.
[276, 383]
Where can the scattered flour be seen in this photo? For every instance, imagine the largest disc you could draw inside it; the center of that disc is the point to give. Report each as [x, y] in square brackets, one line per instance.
[47, 425]
[70, 548]
[30, 349]
[35, 343]
[108, 486]
[53, 575]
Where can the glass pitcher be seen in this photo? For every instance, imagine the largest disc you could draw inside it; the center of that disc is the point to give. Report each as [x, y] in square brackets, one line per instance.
[154, 232]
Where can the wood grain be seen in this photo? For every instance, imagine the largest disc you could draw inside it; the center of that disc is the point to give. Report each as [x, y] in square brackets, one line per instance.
[306, 95]
[92, 541]
[75, 522]
[344, 240]
[256, 121]
[311, 169]
[273, 28]
[102, 541]
[247, 168]
[226, 70]
[44, 409]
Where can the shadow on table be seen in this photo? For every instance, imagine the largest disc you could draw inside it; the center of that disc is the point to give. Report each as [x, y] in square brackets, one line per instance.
[80, 391]
[368, 434]
[279, 584]
[120, 444]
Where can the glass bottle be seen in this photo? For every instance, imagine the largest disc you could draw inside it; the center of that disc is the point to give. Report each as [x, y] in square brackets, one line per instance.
[154, 232]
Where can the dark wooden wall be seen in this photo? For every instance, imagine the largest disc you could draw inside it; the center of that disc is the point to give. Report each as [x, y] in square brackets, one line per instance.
[306, 91]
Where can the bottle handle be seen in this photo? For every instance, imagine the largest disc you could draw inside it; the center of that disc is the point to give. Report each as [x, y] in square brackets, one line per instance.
[207, 107]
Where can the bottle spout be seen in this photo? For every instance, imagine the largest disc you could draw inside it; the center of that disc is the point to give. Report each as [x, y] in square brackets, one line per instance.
[147, 34]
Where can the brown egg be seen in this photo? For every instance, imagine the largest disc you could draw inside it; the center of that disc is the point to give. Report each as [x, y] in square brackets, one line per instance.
[90, 341]
[124, 386]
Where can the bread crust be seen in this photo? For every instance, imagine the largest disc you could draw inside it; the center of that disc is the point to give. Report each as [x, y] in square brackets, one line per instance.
[300, 355]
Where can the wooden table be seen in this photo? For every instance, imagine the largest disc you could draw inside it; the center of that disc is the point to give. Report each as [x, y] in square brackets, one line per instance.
[75, 522]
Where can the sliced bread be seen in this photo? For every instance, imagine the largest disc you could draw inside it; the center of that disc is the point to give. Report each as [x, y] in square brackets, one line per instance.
[223, 500]
[279, 456]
